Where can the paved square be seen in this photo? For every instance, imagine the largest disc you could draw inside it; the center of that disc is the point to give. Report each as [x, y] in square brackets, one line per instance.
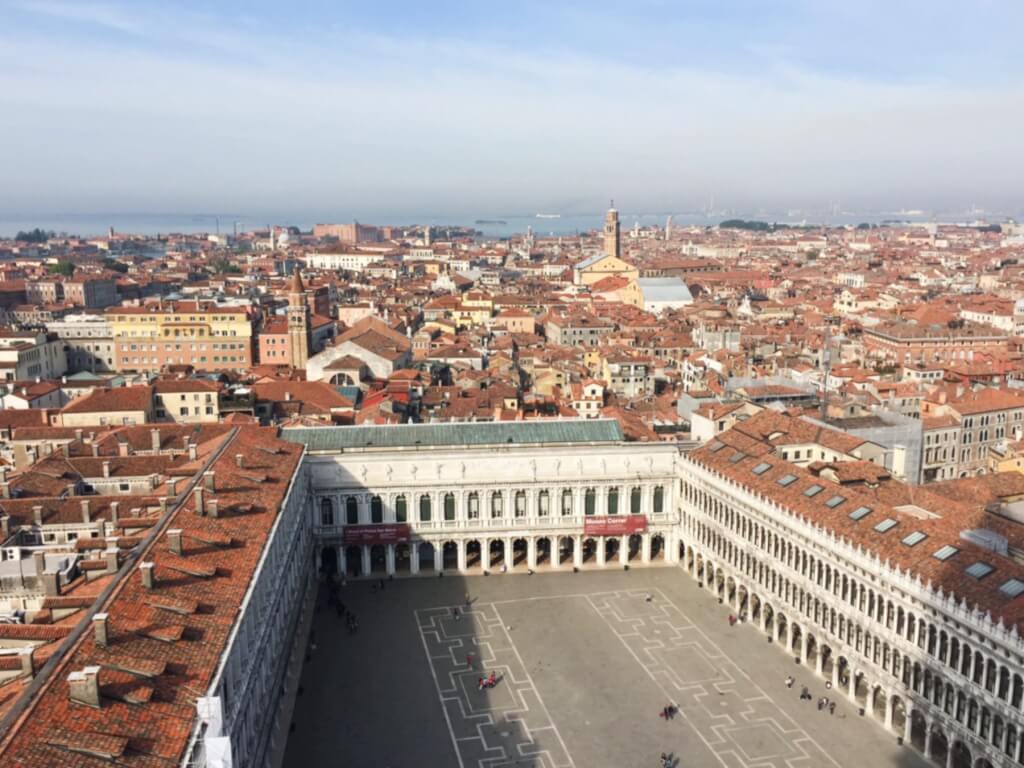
[585, 662]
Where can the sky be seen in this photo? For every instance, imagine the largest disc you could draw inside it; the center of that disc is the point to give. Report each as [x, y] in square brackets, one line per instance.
[484, 108]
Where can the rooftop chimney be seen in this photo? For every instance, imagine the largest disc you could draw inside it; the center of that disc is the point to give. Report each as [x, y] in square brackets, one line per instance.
[96, 449]
[85, 510]
[85, 686]
[39, 559]
[240, 460]
[37, 514]
[148, 579]
[106, 469]
[114, 511]
[213, 508]
[5, 526]
[198, 495]
[110, 558]
[124, 448]
[3, 474]
[172, 486]
[154, 436]
[174, 540]
[210, 480]
[193, 451]
[79, 434]
[99, 625]
[28, 667]
[51, 583]
[5, 490]
[287, 396]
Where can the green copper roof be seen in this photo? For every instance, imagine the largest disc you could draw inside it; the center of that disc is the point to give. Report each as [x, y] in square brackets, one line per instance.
[474, 433]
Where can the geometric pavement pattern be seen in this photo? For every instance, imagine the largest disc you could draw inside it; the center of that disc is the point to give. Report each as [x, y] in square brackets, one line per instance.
[509, 727]
[737, 720]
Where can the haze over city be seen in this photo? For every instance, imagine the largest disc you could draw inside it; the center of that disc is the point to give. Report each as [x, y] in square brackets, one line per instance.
[461, 109]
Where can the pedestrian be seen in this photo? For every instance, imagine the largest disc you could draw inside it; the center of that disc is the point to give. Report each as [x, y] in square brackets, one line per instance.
[819, 705]
[455, 612]
[671, 711]
[732, 620]
[789, 681]
[828, 684]
[469, 602]
[831, 707]
[648, 597]
[664, 713]
[380, 584]
[469, 660]
[492, 680]
[480, 684]
[804, 694]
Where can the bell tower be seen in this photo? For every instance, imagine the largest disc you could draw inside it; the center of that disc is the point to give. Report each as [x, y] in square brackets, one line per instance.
[611, 232]
[298, 323]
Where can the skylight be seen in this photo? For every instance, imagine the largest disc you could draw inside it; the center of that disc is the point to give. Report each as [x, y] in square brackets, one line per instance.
[716, 446]
[886, 525]
[946, 552]
[835, 501]
[814, 490]
[1012, 588]
[860, 513]
[761, 468]
[914, 538]
[979, 570]
[737, 457]
[786, 480]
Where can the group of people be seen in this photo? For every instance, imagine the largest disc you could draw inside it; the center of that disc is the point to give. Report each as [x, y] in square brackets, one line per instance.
[667, 760]
[805, 695]
[334, 598]
[668, 712]
[489, 681]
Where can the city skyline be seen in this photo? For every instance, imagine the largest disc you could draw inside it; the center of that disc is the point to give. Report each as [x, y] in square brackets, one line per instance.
[464, 112]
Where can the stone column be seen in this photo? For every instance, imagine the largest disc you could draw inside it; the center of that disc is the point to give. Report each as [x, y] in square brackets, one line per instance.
[671, 548]
[908, 724]
[928, 740]
[645, 548]
[888, 712]
[461, 555]
[485, 554]
[852, 687]
[366, 569]
[389, 559]
[531, 553]
[510, 559]
[623, 550]
[835, 673]
[342, 565]
[949, 751]
[414, 557]
[438, 556]
[803, 641]
[577, 551]
[600, 550]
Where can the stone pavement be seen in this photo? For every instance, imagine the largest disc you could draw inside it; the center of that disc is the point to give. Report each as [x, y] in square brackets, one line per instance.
[585, 664]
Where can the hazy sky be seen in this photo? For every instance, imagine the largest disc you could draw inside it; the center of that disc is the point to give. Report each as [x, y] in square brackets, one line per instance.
[487, 107]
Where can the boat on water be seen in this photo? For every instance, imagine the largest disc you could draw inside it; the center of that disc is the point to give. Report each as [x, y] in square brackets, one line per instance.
[549, 215]
[491, 221]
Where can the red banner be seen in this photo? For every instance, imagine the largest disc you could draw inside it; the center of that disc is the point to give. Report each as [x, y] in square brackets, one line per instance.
[614, 525]
[395, 533]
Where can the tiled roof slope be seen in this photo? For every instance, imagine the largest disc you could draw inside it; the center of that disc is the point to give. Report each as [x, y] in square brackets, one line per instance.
[164, 676]
[735, 455]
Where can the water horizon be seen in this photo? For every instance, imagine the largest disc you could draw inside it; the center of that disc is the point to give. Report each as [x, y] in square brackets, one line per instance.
[498, 225]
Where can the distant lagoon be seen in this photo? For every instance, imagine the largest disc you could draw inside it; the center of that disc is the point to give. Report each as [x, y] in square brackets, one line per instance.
[568, 224]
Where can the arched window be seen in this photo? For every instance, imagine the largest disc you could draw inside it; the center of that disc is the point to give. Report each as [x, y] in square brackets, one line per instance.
[449, 506]
[634, 501]
[424, 508]
[326, 512]
[497, 505]
[659, 500]
[543, 502]
[473, 506]
[566, 503]
[590, 501]
[376, 510]
[401, 510]
[520, 508]
[351, 510]
[613, 501]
